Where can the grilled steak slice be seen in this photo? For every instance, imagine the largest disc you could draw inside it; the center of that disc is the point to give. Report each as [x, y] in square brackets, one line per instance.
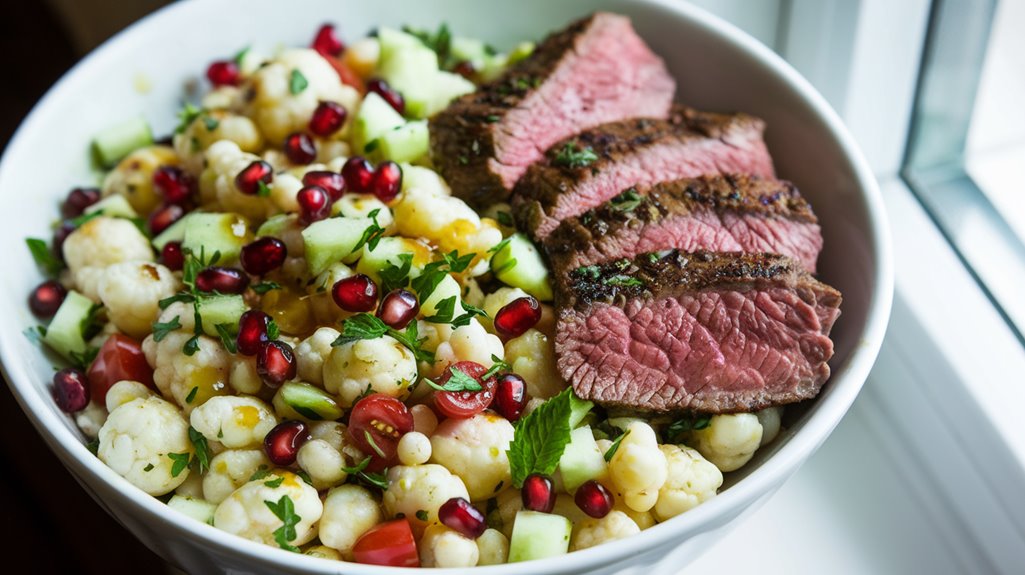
[636, 152]
[595, 71]
[709, 332]
[731, 213]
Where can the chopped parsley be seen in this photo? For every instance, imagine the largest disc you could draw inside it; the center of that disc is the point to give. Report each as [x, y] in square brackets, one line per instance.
[591, 272]
[542, 435]
[265, 286]
[372, 235]
[211, 123]
[262, 189]
[82, 360]
[498, 365]
[626, 201]
[572, 156]
[192, 394]
[373, 444]
[458, 381]
[492, 119]
[440, 42]
[297, 82]
[365, 326]
[396, 276]
[202, 456]
[615, 446]
[273, 331]
[445, 310]
[260, 473]
[186, 116]
[227, 333]
[47, 261]
[623, 281]
[274, 483]
[360, 474]
[284, 510]
[148, 468]
[434, 272]
[505, 219]
[674, 433]
[358, 468]
[160, 330]
[181, 461]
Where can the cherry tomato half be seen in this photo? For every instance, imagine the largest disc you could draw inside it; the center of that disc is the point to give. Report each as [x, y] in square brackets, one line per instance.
[463, 404]
[391, 543]
[119, 359]
[376, 424]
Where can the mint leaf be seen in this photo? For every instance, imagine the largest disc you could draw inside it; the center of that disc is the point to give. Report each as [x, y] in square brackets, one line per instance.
[227, 333]
[674, 433]
[265, 286]
[365, 326]
[458, 381]
[542, 436]
[372, 235]
[284, 510]
[260, 473]
[396, 276]
[358, 468]
[615, 446]
[160, 330]
[273, 331]
[181, 461]
[202, 456]
[186, 116]
[623, 281]
[49, 263]
[297, 82]
[273, 483]
[498, 365]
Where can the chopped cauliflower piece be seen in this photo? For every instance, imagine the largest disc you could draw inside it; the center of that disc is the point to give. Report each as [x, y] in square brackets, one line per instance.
[349, 511]
[591, 532]
[98, 244]
[639, 468]
[383, 363]
[322, 462]
[422, 488]
[230, 470]
[236, 422]
[247, 512]
[224, 161]
[414, 448]
[470, 342]
[442, 546]
[532, 356]
[133, 177]
[131, 291]
[692, 480]
[142, 440]
[124, 391]
[492, 548]
[177, 374]
[770, 418]
[213, 126]
[475, 449]
[312, 352]
[729, 441]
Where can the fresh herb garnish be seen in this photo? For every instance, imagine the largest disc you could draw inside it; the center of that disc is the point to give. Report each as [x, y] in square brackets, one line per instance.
[458, 381]
[202, 456]
[505, 219]
[211, 123]
[371, 146]
[396, 276]
[373, 444]
[498, 365]
[365, 326]
[626, 201]
[262, 189]
[440, 42]
[148, 468]
[434, 272]
[591, 272]
[192, 394]
[359, 473]
[273, 483]
[181, 461]
[47, 261]
[273, 331]
[372, 235]
[615, 446]
[227, 333]
[297, 82]
[241, 55]
[422, 514]
[260, 473]
[542, 435]
[572, 156]
[284, 510]
[192, 346]
[674, 433]
[186, 116]
[358, 468]
[93, 446]
[622, 281]
[77, 222]
[82, 360]
[445, 310]
[166, 302]
[160, 330]
[492, 119]
[265, 286]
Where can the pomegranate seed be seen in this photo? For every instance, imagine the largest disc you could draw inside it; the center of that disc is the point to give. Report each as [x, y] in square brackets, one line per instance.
[248, 180]
[593, 499]
[275, 363]
[300, 148]
[398, 308]
[465, 69]
[164, 216]
[387, 181]
[314, 204]
[390, 95]
[252, 332]
[538, 493]
[172, 256]
[328, 118]
[71, 390]
[223, 73]
[175, 185]
[263, 256]
[61, 234]
[458, 514]
[358, 174]
[333, 182]
[355, 293]
[283, 442]
[517, 317]
[510, 396]
[78, 200]
[326, 42]
[222, 280]
[46, 299]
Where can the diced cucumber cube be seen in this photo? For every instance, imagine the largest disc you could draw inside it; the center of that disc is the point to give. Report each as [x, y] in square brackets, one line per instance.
[582, 460]
[448, 288]
[446, 87]
[115, 206]
[375, 117]
[406, 143]
[120, 140]
[64, 334]
[329, 241]
[388, 252]
[198, 509]
[424, 179]
[276, 225]
[221, 310]
[519, 264]
[469, 50]
[174, 233]
[216, 232]
[538, 535]
[307, 401]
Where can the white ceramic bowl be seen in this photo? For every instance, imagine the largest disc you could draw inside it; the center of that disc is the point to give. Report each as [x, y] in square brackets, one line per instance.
[718, 68]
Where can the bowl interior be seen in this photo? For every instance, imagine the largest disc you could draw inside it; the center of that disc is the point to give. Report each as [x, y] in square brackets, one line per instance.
[145, 71]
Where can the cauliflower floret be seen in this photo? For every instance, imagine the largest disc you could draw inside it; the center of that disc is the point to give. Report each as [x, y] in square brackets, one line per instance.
[360, 206]
[414, 448]
[234, 421]
[99, 243]
[320, 300]
[124, 391]
[284, 190]
[770, 418]
[422, 488]
[133, 177]
[332, 432]
[213, 126]
[492, 548]
[132, 291]
[729, 441]
[532, 356]
[323, 552]
[322, 462]
[284, 93]
[445, 220]
[591, 532]
[176, 374]
[384, 364]
[246, 512]
[224, 160]
[138, 441]
[244, 378]
[442, 546]
[475, 449]
[349, 511]
[312, 352]
[691, 482]
[639, 468]
[470, 342]
[230, 470]
[424, 180]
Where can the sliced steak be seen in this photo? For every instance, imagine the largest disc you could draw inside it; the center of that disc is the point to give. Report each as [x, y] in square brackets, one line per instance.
[636, 152]
[595, 71]
[730, 213]
[709, 332]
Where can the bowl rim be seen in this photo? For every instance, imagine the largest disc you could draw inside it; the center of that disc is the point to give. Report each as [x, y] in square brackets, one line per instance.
[846, 381]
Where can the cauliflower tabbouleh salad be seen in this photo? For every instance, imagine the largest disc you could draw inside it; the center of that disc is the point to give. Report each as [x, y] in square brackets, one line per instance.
[283, 324]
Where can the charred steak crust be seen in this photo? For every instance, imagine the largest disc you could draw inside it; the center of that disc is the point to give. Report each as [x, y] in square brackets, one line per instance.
[465, 137]
[545, 184]
[635, 207]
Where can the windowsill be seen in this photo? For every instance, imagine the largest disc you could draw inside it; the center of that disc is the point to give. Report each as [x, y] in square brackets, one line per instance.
[997, 174]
